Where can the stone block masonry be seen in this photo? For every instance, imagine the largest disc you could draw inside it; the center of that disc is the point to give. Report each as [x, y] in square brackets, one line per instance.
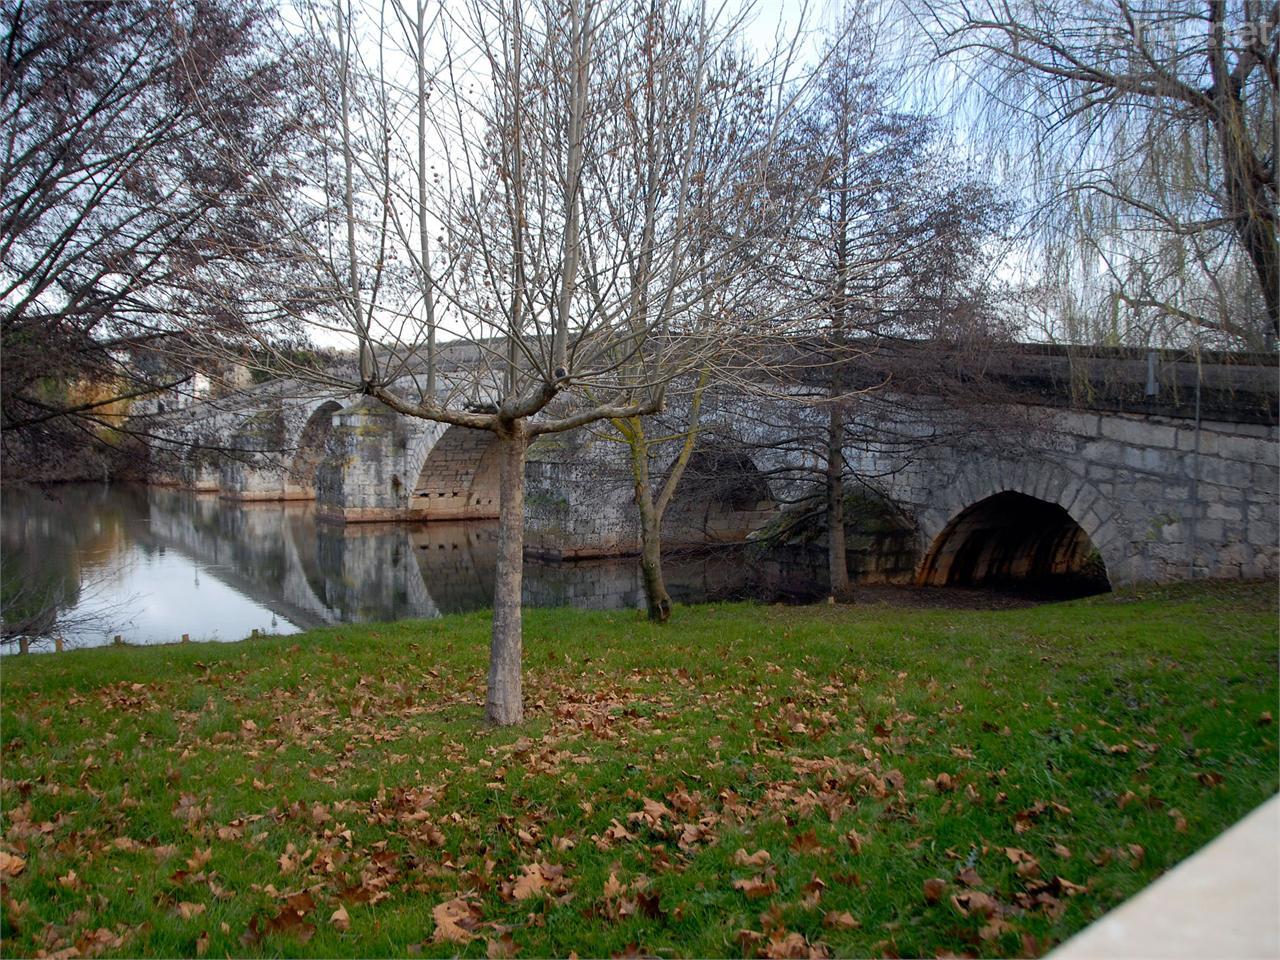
[1154, 496]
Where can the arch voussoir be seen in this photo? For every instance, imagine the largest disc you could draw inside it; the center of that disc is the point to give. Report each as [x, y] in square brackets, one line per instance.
[965, 511]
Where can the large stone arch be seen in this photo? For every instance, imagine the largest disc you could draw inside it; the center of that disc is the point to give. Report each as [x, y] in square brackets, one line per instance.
[458, 478]
[1039, 494]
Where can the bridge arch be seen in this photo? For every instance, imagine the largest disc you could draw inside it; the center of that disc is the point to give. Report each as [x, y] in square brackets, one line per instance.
[1012, 521]
[459, 477]
[722, 498]
[309, 451]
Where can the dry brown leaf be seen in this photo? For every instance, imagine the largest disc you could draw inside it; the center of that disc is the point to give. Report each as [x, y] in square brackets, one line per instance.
[188, 910]
[974, 903]
[531, 882]
[933, 888]
[502, 948]
[341, 919]
[840, 921]
[755, 887]
[994, 928]
[758, 859]
[455, 919]
[11, 865]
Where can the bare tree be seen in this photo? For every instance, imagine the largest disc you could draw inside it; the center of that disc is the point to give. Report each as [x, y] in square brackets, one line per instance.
[888, 248]
[531, 194]
[1146, 135]
[717, 179]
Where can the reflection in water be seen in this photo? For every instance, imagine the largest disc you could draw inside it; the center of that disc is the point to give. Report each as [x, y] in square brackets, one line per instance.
[89, 562]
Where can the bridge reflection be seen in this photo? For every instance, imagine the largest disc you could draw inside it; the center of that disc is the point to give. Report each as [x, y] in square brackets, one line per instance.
[316, 573]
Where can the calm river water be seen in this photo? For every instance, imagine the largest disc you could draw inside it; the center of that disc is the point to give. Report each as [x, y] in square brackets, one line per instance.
[89, 562]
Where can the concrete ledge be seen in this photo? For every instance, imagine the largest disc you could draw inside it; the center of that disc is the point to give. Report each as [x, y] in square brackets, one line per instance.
[1223, 901]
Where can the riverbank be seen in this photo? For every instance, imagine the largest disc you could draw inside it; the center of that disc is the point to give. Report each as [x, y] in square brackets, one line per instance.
[869, 780]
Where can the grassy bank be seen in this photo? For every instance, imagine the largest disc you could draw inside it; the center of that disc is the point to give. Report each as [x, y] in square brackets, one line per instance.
[747, 781]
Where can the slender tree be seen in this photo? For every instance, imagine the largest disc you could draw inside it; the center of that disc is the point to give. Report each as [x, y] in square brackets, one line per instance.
[554, 232]
[888, 248]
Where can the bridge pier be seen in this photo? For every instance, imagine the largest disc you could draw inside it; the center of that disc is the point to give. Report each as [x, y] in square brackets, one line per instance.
[198, 474]
[255, 471]
[362, 477]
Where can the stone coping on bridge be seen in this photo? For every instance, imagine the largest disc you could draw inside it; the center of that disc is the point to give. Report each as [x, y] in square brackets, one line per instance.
[1223, 901]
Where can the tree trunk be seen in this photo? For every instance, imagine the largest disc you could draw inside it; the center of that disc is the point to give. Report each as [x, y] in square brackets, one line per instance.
[837, 559]
[655, 587]
[504, 704]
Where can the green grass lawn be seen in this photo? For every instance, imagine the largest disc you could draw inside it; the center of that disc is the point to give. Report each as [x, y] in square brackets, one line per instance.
[747, 781]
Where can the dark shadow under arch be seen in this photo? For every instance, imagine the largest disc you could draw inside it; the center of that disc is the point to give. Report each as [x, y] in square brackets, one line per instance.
[1012, 538]
[310, 451]
[722, 498]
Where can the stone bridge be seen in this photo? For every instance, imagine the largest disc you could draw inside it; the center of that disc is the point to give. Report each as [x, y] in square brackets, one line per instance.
[1146, 467]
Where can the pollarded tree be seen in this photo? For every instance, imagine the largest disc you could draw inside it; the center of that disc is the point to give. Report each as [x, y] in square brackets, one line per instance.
[554, 229]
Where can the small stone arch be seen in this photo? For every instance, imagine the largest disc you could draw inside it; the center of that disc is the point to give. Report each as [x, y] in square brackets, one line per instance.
[722, 498]
[459, 477]
[1004, 520]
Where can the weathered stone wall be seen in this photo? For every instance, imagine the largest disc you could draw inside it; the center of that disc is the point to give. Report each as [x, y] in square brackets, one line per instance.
[579, 499]
[364, 476]
[1159, 499]
[256, 472]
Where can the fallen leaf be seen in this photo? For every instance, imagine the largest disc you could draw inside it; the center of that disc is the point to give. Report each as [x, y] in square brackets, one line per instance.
[994, 928]
[755, 887]
[455, 919]
[840, 921]
[758, 859]
[534, 879]
[933, 888]
[341, 919]
[974, 903]
[11, 865]
[188, 910]
[502, 948]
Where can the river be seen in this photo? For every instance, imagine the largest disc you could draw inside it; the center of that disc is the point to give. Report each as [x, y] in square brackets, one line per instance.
[88, 562]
